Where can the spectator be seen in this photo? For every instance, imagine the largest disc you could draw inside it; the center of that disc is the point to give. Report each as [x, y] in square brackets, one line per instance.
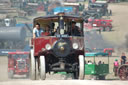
[89, 62]
[75, 30]
[99, 62]
[116, 65]
[47, 30]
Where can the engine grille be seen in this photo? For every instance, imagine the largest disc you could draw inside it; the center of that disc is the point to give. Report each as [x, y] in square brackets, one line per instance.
[21, 64]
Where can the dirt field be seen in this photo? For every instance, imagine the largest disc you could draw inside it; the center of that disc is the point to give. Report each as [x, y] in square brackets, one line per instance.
[117, 36]
[120, 25]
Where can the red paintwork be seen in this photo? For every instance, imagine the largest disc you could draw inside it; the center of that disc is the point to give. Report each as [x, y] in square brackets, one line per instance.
[18, 52]
[126, 62]
[45, 34]
[39, 43]
[13, 63]
[23, 71]
[109, 50]
[98, 23]
[99, 20]
[90, 27]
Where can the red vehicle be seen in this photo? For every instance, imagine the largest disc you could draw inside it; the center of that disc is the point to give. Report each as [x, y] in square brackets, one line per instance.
[89, 27]
[61, 51]
[104, 25]
[18, 64]
[109, 51]
[105, 50]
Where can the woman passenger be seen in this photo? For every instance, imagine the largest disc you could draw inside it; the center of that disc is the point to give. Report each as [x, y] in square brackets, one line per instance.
[47, 30]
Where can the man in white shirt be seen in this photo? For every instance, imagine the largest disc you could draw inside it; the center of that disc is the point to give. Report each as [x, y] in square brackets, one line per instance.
[37, 31]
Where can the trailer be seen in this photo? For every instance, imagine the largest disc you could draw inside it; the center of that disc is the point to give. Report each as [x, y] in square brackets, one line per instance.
[97, 70]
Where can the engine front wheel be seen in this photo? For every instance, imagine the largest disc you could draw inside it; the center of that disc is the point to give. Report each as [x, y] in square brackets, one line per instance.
[79, 74]
[42, 68]
[81, 67]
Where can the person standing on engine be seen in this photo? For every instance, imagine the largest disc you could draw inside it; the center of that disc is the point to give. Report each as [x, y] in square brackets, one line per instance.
[75, 30]
[123, 59]
[37, 31]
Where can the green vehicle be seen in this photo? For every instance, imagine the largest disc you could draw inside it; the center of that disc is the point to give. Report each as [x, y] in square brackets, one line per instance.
[98, 71]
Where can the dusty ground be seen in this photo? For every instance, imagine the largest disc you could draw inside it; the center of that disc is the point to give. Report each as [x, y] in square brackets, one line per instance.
[120, 16]
[63, 82]
[4, 72]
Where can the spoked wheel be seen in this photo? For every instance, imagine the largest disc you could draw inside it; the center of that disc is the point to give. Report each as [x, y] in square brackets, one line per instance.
[123, 72]
[79, 74]
[42, 68]
[34, 67]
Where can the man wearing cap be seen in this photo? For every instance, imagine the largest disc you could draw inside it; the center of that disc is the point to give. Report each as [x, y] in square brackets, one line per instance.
[75, 30]
[123, 58]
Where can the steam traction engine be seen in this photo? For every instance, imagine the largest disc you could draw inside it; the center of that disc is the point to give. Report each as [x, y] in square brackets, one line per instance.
[60, 51]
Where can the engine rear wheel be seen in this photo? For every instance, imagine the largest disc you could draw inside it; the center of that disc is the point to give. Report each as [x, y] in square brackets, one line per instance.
[37, 69]
[123, 72]
[34, 66]
[42, 68]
